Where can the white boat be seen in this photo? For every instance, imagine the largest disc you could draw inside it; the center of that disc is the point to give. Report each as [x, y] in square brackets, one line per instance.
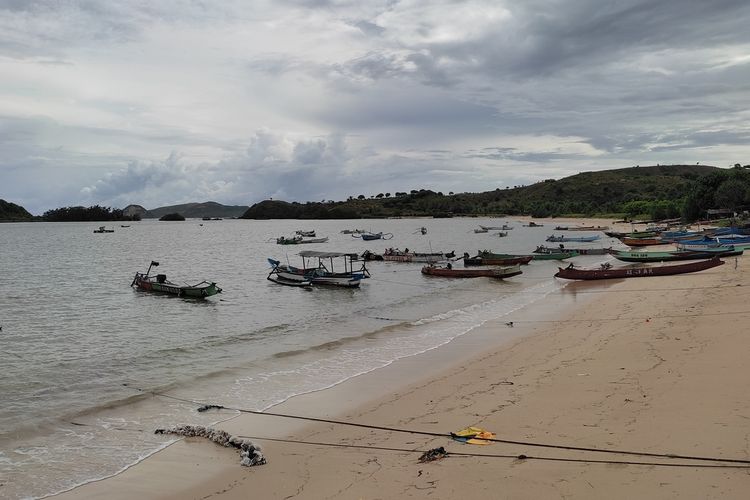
[321, 274]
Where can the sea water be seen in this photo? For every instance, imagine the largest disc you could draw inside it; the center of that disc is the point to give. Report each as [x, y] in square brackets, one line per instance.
[82, 352]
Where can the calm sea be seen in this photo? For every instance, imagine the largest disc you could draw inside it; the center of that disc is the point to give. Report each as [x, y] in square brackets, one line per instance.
[77, 340]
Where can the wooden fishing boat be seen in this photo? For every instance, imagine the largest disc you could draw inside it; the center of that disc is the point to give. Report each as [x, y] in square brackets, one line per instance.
[543, 250]
[159, 283]
[579, 239]
[493, 272]
[481, 230]
[373, 236]
[555, 255]
[533, 224]
[609, 272]
[487, 258]
[588, 228]
[504, 227]
[673, 255]
[103, 229]
[298, 240]
[642, 242]
[396, 255]
[321, 274]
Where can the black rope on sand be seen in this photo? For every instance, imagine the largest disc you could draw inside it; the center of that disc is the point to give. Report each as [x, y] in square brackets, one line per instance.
[441, 452]
[451, 435]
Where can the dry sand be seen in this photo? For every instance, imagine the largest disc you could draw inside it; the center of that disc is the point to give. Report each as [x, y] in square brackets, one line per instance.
[657, 365]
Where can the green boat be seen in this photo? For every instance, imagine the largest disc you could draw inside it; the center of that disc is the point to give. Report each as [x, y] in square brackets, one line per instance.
[159, 284]
[672, 255]
[555, 255]
[488, 256]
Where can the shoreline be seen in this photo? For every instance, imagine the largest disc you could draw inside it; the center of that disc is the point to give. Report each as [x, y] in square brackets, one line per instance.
[602, 373]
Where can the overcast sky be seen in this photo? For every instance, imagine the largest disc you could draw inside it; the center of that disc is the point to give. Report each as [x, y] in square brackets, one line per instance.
[172, 101]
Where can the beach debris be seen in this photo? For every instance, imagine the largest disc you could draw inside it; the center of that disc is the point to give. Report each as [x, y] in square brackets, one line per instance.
[250, 453]
[473, 435]
[433, 454]
[509, 324]
[210, 407]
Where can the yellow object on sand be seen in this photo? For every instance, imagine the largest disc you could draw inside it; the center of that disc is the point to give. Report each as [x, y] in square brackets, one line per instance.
[474, 435]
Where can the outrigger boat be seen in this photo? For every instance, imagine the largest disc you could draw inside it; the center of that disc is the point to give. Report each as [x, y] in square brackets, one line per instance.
[159, 283]
[606, 271]
[298, 240]
[493, 272]
[672, 255]
[396, 255]
[580, 239]
[504, 227]
[322, 274]
[373, 236]
[543, 250]
[487, 258]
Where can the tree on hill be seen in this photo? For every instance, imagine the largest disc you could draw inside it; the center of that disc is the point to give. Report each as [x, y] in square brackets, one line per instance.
[84, 214]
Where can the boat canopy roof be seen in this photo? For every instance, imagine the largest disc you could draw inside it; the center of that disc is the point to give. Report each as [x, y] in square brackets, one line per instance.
[324, 255]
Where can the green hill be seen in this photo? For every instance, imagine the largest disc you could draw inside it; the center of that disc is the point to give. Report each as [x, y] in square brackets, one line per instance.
[10, 212]
[198, 210]
[635, 190]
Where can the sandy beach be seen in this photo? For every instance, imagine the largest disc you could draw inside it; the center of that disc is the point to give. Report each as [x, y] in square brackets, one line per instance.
[652, 365]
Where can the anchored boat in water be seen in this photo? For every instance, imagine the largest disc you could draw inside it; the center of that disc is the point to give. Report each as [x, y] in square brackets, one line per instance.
[321, 274]
[159, 283]
[493, 272]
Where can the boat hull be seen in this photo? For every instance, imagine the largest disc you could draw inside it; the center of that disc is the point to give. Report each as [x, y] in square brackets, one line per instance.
[151, 284]
[497, 272]
[573, 273]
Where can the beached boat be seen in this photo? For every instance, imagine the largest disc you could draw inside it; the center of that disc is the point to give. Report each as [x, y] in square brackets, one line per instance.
[533, 224]
[321, 272]
[588, 228]
[579, 239]
[504, 227]
[725, 239]
[396, 255]
[555, 255]
[102, 229]
[298, 240]
[544, 250]
[352, 231]
[606, 271]
[421, 230]
[159, 283]
[493, 272]
[487, 258]
[672, 255]
[642, 242]
[481, 230]
[373, 236]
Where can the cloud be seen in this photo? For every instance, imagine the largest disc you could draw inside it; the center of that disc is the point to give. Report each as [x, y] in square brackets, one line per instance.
[236, 101]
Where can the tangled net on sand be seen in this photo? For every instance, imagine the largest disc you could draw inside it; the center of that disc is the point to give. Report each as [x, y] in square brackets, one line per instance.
[250, 453]
[433, 454]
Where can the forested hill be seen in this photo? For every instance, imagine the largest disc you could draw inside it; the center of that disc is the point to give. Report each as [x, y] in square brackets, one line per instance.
[636, 189]
[10, 212]
[198, 210]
